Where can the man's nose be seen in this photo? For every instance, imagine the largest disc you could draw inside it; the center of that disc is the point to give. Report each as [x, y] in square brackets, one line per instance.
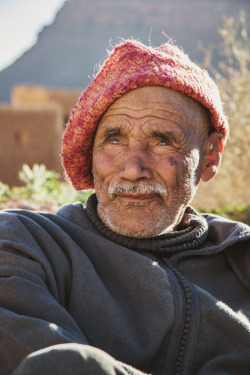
[136, 166]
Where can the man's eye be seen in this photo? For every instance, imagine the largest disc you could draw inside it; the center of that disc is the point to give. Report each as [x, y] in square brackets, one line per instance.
[114, 141]
[163, 141]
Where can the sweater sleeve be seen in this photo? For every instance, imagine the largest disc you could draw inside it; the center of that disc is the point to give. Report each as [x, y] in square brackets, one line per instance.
[67, 359]
[32, 316]
[38, 334]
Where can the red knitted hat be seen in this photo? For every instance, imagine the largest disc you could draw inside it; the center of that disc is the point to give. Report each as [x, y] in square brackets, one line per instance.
[129, 66]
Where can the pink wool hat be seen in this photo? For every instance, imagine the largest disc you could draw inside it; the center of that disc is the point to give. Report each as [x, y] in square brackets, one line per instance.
[129, 66]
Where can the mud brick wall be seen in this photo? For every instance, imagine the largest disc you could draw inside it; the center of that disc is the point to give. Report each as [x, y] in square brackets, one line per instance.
[29, 136]
[25, 96]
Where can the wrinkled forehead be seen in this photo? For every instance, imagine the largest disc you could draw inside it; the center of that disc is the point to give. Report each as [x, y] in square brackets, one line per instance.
[161, 102]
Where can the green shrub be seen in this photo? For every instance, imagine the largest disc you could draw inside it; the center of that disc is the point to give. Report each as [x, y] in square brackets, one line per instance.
[42, 185]
[4, 192]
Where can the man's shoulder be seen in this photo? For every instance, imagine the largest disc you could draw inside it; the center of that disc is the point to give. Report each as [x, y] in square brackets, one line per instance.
[224, 231]
[68, 215]
[227, 224]
[213, 219]
[35, 234]
[25, 217]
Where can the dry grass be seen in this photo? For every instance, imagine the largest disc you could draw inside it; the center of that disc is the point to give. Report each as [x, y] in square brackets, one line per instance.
[231, 186]
[24, 204]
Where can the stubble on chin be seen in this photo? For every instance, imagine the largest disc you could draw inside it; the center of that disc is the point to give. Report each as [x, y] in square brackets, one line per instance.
[135, 219]
[120, 219]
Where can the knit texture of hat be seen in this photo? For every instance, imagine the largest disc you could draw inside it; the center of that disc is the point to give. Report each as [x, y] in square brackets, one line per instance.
[129, 66]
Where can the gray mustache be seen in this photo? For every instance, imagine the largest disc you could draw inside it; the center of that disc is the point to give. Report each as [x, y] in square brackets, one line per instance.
[137, 187]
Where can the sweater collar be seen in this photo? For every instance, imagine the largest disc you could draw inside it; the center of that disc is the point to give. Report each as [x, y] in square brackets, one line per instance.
[191, 236]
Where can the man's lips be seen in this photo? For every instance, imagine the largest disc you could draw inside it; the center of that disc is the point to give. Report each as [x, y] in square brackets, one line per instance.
[136, 197]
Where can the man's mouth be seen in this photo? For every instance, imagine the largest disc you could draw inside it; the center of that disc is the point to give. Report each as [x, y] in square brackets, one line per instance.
[136, 197]
[136, 191]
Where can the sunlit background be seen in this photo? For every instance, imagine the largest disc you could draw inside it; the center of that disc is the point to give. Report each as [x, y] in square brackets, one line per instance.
[20, 23]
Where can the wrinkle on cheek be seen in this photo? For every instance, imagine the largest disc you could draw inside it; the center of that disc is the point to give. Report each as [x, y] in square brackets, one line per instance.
[173, 162]
[192, 166]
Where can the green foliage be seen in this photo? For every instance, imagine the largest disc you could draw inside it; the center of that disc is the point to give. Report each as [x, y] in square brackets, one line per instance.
[42, 185]
[4, 192]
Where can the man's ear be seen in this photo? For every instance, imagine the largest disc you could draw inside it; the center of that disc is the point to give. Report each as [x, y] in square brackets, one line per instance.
[213, 153]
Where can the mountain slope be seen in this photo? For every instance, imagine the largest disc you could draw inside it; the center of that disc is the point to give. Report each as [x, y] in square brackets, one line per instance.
[68, 50]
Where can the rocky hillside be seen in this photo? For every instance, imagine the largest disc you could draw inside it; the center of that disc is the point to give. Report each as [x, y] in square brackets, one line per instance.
[68, 49]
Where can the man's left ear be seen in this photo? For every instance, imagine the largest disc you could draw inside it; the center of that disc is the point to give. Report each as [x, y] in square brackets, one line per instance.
[213, 153]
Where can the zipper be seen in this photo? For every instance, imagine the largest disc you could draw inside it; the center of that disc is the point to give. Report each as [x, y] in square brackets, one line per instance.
[176, 353]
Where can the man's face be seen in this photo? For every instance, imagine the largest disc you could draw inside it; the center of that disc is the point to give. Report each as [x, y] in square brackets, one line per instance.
[147, 160]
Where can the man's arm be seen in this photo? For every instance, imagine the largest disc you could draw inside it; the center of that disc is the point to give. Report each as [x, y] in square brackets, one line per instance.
[31, 317]
[38, 335]
[76, 359]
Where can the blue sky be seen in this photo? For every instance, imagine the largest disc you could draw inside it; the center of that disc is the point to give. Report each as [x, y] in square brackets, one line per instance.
[20, 23]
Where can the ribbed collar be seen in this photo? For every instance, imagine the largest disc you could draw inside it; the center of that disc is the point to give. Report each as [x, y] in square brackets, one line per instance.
[192, 236]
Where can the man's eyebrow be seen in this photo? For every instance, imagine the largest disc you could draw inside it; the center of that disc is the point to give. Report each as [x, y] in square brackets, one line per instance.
[111, 132]
[163, 134]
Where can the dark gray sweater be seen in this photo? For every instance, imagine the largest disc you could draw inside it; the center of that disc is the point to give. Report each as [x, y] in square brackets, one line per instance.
[163, 306]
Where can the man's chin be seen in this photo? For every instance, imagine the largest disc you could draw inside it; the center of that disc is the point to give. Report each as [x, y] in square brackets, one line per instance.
[137, 226]
[131, 232]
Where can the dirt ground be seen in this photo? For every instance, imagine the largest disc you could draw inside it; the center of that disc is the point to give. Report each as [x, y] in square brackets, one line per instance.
[28, 205]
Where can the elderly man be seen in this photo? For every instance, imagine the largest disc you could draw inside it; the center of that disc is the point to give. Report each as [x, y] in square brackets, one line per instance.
[137, 281]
